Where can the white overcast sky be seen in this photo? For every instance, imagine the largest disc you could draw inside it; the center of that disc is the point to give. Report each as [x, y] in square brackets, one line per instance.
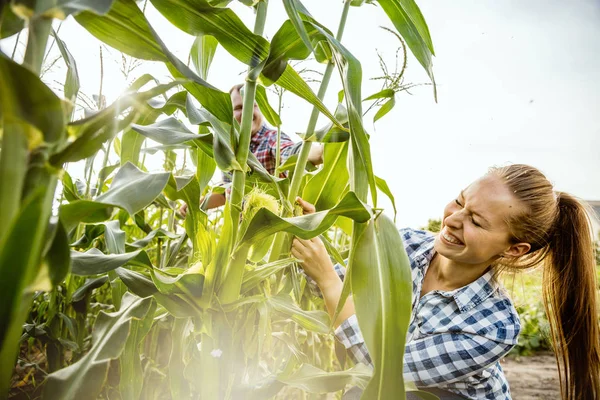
[518, 81]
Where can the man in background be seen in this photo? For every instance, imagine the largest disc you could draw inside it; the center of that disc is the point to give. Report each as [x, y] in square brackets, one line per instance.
[263, 144]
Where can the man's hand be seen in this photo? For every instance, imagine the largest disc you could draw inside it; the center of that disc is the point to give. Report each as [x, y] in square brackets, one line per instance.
[307, 208]
[183, 210]
[315, 155]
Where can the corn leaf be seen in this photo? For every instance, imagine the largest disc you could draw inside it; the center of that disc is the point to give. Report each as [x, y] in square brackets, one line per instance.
[25, 98]
[265, 108]
[382, 290]
[71, 86]
[126, 29]
[408, 20]
[94, 262]
[314, 321]
[328, 185]
[58, 257]
[266, 223]
[10, 23]
[133, 189]
[314, 380]
[202, 54]
[168, 131]
[85, 378]
[198, 17]
[131, 379]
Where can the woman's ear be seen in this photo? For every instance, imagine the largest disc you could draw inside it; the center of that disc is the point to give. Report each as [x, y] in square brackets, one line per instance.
[516, 250]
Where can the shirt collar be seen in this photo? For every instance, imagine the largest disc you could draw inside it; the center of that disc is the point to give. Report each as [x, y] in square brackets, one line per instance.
[260, 133]
[476, 292]
[468, 296]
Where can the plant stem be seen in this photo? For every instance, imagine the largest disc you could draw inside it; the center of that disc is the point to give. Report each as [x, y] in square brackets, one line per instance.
[312, 123]
[13, 169]
[39, 30]
[231, 289]
[104, 163]
[280, 240]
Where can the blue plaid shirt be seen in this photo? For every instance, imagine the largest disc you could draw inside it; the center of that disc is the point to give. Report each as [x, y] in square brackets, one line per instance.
[455, 339]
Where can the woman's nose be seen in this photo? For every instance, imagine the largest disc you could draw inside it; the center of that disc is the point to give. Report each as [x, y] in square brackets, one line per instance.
[454, 220]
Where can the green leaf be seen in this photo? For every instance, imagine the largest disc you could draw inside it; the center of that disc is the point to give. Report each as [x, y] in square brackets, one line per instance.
[69, 189]
[265, 108]
[92, 132]
[198, 17]
[168, 132]
[180, 388]
[253, 278]
[202, 54]
[290, 8]
[326, 187]
[126, 29]
[291, 81]
[94, 262]
[314, 321]
[142, 286]
[25, 98]
[114, 237]
[86, 377]
[266, 223]
[385, 93]
[88, 287]
[408, 20]
[22, 234]
[314, 380]
[385, 108]
[62, 8]
[382, 289]
[58, 256]
[132, 141]
[10, 24]
[383, 186]
[205, 169]
[133, 189]
[141, 243]
[331, 133]
[83, 211]
[72, 80]
[131, 377]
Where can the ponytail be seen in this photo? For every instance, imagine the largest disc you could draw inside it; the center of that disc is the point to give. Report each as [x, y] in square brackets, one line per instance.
[570, 298]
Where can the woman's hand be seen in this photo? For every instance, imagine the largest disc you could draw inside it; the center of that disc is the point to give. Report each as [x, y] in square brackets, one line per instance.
[315, 261]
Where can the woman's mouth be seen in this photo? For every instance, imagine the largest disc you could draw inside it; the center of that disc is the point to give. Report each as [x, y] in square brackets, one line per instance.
[450, 238]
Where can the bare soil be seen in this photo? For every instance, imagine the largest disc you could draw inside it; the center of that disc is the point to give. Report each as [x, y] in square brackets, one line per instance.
[532, 377]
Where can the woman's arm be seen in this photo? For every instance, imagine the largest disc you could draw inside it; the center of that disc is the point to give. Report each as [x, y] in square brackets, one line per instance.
[317, 265]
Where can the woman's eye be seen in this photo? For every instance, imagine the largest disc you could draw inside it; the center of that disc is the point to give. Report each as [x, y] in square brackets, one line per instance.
[458, 202]
[475, 223]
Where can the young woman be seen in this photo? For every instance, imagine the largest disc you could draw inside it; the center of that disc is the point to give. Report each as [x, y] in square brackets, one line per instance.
[463, 322]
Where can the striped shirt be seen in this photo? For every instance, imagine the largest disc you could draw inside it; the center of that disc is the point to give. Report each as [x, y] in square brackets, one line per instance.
[455, 338]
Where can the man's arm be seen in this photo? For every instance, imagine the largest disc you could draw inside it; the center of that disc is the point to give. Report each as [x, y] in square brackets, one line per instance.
[214, 200]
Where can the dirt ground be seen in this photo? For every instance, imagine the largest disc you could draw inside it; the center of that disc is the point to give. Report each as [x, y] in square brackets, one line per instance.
[534, 377]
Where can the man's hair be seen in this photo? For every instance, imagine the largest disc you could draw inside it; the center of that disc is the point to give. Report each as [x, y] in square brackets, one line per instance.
[236, 88]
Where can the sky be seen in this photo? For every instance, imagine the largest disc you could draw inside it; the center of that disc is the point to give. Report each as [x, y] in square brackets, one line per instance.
[517, 83]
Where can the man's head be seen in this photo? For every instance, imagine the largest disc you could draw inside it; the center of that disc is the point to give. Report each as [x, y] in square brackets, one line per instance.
[238, 103]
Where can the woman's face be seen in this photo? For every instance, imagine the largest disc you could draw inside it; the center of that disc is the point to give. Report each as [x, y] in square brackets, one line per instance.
[474, 229]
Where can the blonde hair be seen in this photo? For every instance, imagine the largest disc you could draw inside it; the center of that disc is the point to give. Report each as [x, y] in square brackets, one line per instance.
[558, 228]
